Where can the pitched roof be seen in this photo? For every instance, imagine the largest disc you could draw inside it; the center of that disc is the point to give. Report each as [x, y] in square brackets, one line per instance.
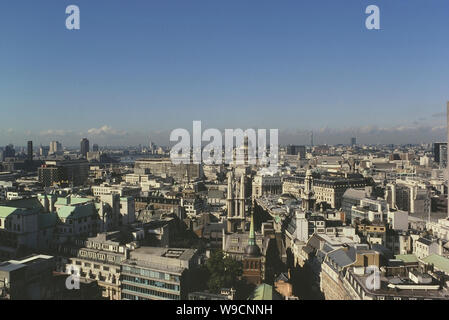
[440, 262]
[77, 212]
[340, 258]
[7, 211]
[264, 292]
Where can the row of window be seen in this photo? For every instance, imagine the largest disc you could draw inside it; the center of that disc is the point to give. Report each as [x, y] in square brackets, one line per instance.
[148, 292]
[152, 283]
[151, 274]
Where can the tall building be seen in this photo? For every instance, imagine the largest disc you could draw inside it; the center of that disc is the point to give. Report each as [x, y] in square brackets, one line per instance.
[443, 156]
[30, 151]
[59, 171]
[55, 147]
[9, 151]
[437, 151]
[95, 148]
[84, 147]
[353, 141]
[44, 151]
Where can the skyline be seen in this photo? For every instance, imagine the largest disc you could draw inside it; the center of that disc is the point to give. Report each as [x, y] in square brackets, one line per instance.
[143, 70]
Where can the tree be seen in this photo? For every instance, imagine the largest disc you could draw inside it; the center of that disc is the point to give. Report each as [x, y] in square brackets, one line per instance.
[224, 271]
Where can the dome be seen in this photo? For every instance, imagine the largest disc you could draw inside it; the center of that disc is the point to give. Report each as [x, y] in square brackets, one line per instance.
[252, 250]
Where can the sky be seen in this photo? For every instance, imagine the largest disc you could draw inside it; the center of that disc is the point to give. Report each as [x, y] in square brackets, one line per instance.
[138, 69]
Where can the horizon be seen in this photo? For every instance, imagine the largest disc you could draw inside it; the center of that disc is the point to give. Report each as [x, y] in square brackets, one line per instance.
[139, 71]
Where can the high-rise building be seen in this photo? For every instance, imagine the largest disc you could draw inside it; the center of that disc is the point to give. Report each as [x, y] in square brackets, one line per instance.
[59, 171]
[95, 148]
[44, 150]
[353, 141]
[30, 151]
[443, 156]
[9, 151]
[438, 149]
[55, 147]
[84, 147]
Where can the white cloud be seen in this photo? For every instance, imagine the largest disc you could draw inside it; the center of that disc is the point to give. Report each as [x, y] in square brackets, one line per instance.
[106, 131]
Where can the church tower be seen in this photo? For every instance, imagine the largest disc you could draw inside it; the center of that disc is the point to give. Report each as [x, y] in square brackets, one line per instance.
[252, 261]
[308, 197]
[236, 203]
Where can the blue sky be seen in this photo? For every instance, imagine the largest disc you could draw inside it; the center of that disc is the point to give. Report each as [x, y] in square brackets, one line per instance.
[142, 68]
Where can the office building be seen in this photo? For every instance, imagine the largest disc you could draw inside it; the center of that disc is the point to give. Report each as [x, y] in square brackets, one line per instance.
[55, 148]
[84, 147]
[157, 273]
[63, 171]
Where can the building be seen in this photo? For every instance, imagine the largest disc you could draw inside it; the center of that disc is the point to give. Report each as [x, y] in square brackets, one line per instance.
[98, 259]
[84, 147]
[121, 190]
[74, 172]
[115, 211]
[440, 152]
[44, 151]
[423, 248]
[236, 203]
[252, 260]
[266, 183]
[327, 188]
[153, 273]
[55, 148]
[296, 150]
[30, 151]
[353, 141]
[164, 167]
[27, 279]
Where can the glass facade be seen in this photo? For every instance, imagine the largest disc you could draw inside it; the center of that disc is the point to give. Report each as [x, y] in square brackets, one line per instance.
[142, 284]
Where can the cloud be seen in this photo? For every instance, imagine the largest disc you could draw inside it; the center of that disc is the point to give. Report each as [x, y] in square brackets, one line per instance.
[106, 131]
[55, 132]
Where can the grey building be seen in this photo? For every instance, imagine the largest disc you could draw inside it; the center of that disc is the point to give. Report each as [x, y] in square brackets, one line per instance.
[153, 273]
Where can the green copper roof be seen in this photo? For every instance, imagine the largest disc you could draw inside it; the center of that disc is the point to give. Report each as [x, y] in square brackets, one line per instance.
[407, 257]
[6, 211]
[77, 212]
[439, 262]
[263, 292]
[73, 200]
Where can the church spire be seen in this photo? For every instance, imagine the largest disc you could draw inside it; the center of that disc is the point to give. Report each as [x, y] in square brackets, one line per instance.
[252, 236]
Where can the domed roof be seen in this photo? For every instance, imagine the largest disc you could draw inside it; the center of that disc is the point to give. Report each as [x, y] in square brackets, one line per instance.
[252, 250]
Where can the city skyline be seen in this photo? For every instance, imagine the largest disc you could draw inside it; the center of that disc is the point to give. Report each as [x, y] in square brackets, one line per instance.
[296, 67]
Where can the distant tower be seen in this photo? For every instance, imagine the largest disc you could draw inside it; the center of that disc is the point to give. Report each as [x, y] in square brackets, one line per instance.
[308, 198]
[95, 148]
[84, 147]
[30, 151]
[353, 141]
[311, 138]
